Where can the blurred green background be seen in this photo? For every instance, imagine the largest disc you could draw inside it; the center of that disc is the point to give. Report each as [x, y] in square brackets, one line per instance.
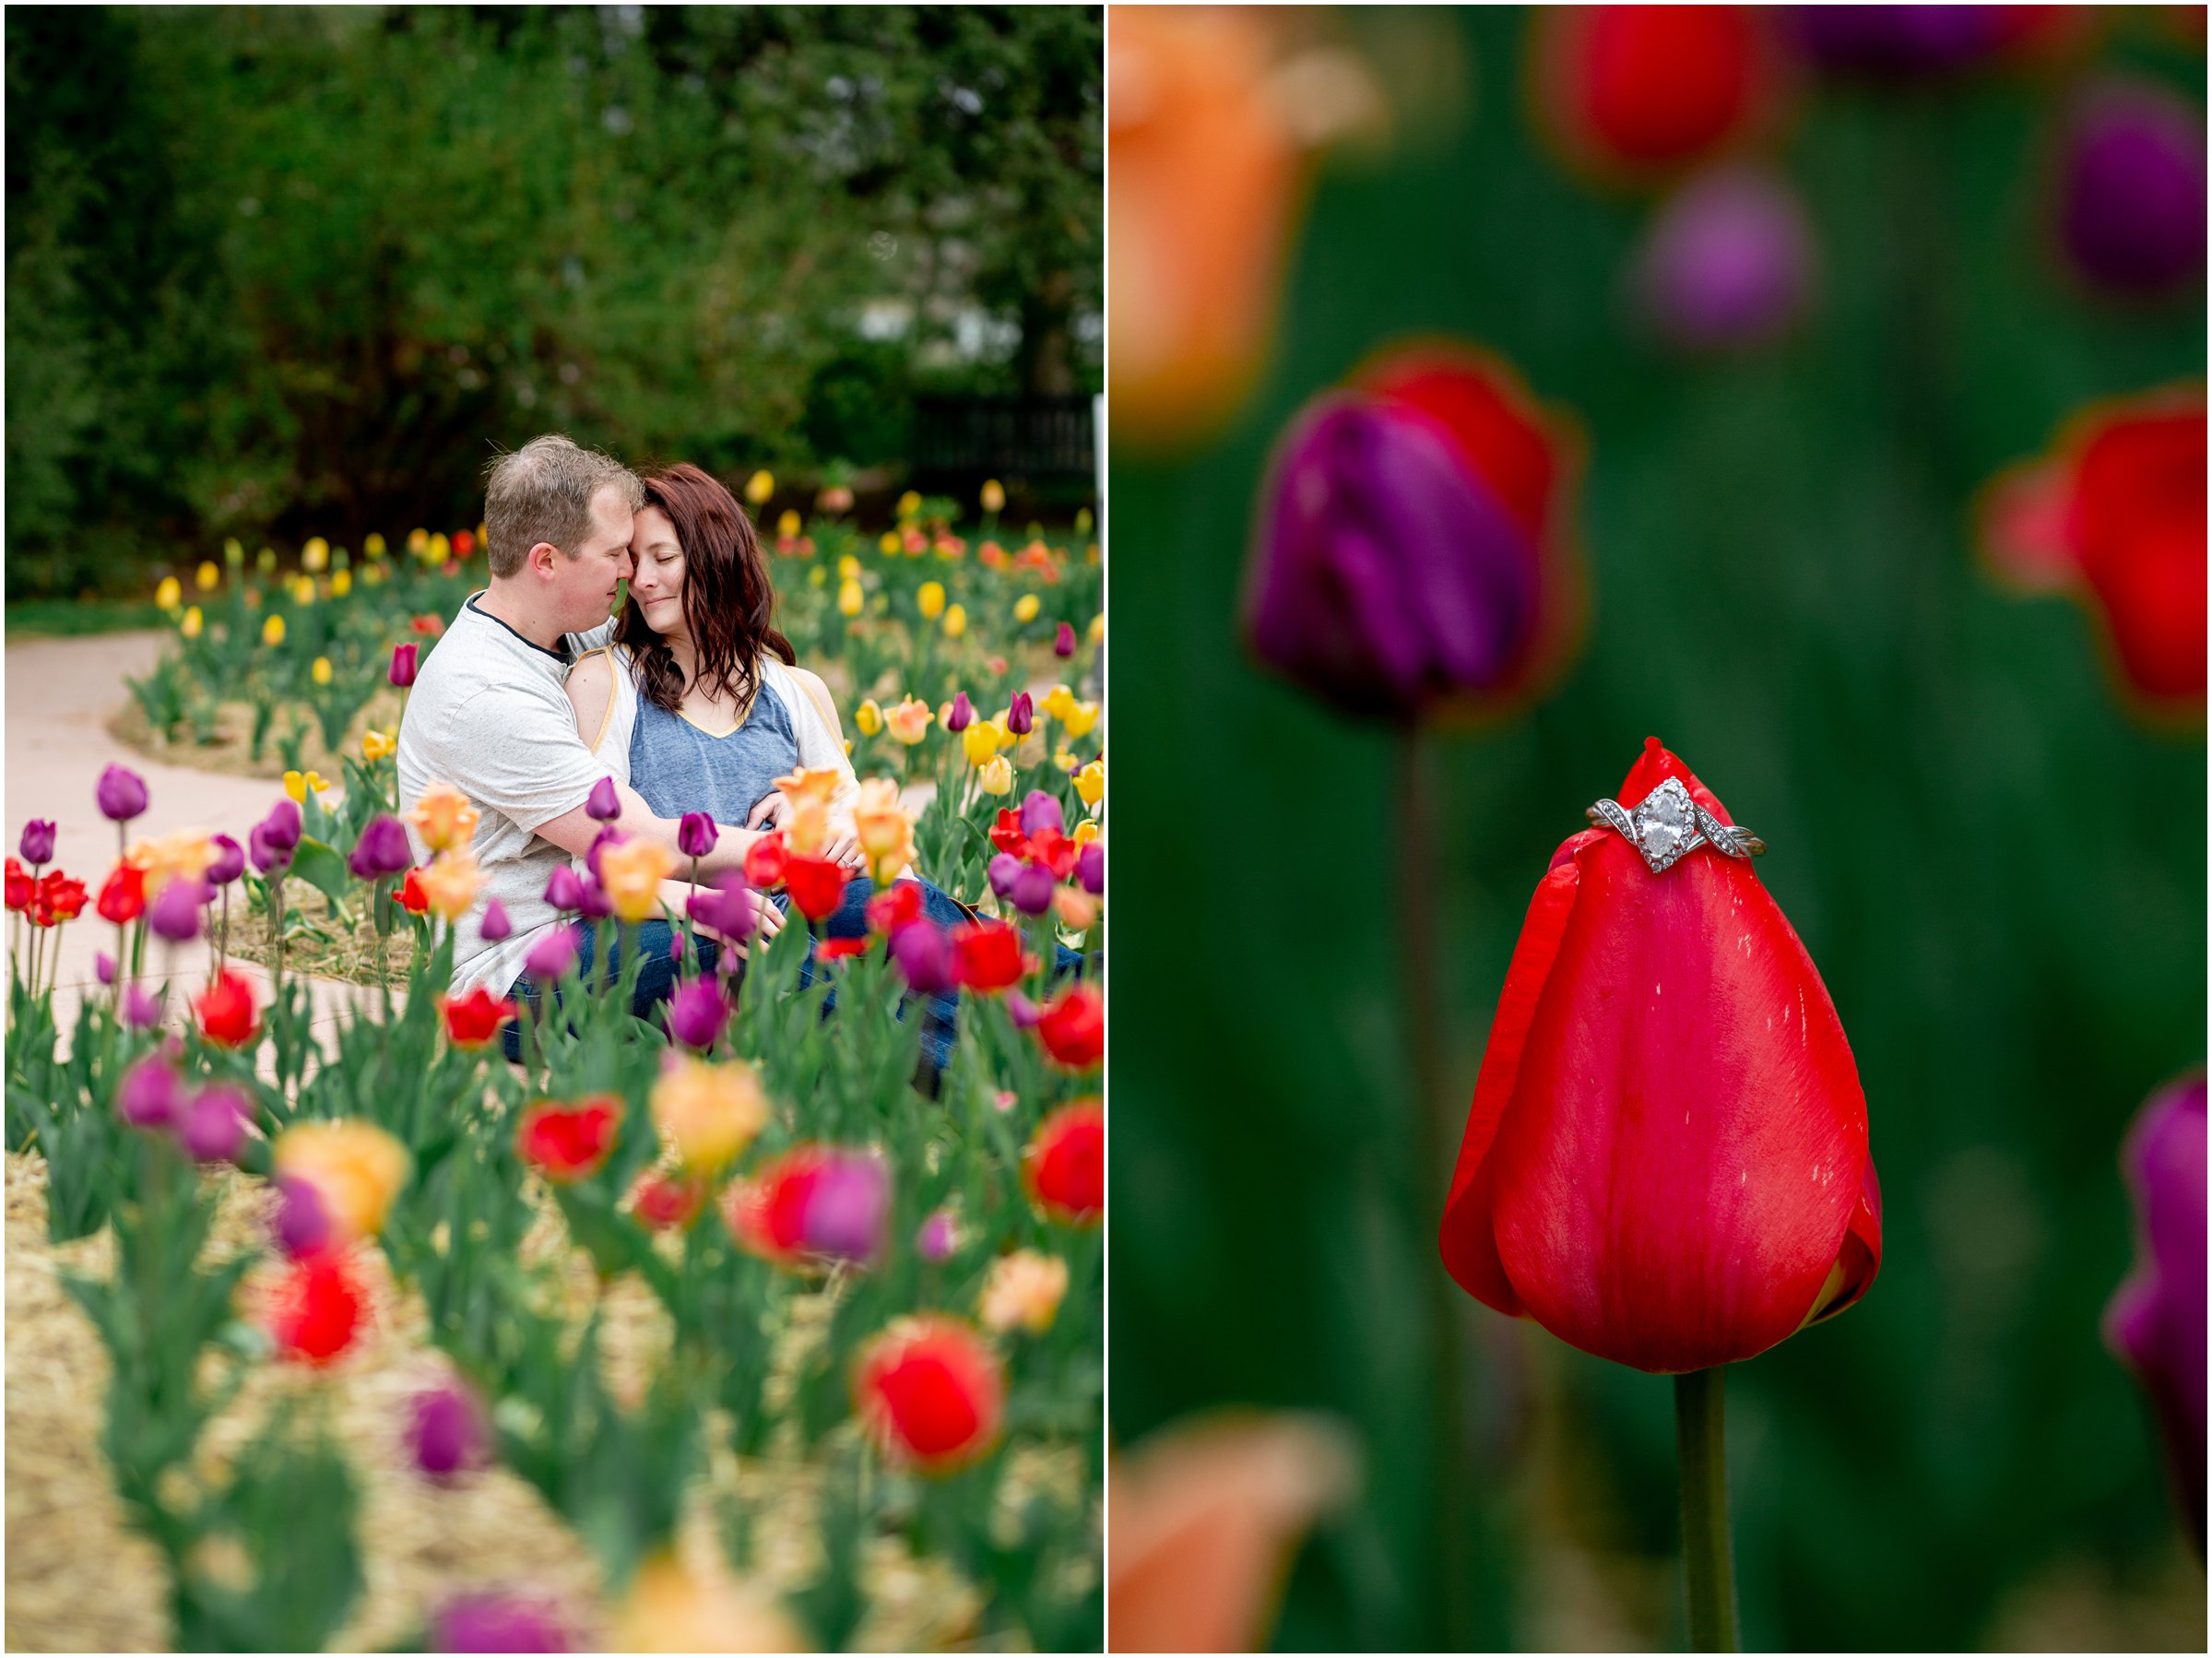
[275, 272]
[1784, 591]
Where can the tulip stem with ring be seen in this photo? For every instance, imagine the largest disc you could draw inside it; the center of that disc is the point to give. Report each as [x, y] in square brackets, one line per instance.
[1708, 1568]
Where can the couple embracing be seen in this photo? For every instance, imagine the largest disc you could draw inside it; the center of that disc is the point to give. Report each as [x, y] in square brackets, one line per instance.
[689, 699]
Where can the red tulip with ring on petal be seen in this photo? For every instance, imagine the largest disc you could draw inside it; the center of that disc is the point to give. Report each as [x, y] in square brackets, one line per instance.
[1665, 1163]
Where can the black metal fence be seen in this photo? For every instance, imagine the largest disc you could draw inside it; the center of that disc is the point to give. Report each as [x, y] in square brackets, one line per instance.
[1038, 445]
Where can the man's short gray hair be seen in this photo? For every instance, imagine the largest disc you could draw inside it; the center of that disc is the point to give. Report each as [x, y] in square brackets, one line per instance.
[543, 493]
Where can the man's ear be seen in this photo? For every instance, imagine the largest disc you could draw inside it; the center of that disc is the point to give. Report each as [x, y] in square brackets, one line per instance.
[541, 559]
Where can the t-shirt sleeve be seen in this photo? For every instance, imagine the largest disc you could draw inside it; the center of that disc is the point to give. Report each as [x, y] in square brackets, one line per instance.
[516, 753]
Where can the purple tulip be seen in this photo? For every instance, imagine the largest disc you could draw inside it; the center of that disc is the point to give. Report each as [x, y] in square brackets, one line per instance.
[214, 1126]
[962, 713]
[103, 968]
[149, 1095]
[2131, 200]
[500, 1623]
[496, 926]
[726, 907]
[1032, 890]
[1021, 714]
[923, 955]
[37, 846]
[120, 794]
[1021, 1010]
[229, 860]
[564, 888]
[553, 955]
[936, 1241]
[1384, 576]
[382, 850]
[447, 1432]
[848, 1209]
[1896, 40]
[1002, 869]
[608, 837]
[696, 834]
[1090, 867]
[300, 1224]
[604, 803]
[597, 906]
[270, 856]
[403, 665]
[1063, 641]
[697, 1012]
[283, 824]
[2156, 1321]
[1728, 261]
[1041, 812]
[175, 914]
[141, 1008]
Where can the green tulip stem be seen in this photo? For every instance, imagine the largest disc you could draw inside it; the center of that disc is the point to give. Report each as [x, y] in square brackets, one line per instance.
[1418, 898]
[1708, 1563]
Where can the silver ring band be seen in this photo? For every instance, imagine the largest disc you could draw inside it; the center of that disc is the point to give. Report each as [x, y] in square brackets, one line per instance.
[1667, 826]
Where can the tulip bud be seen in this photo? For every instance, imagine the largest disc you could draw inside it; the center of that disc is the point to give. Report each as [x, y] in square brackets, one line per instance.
[696, 835]
[1021, 714]
[604, 804]
[923, 955]
[283, 824]
[1728, 261]
[697, 1012]
[229, 860]
[37, 845]
[564, 888]
[1090, 867]
[961, 715]
[446, 1432]
[2132, 202]
[494, 927]
[1031, 890]
[269, 856]
[403, 665]
[1041, 812]
[141, 1008]
[214, 1127]
[553, 954]
[120, 794]
[1063, 641]
[595, 904]
[149, 1095]
[175, 914]
[103, 968]
[937, 1239]
[382, 850]
[300, 1224]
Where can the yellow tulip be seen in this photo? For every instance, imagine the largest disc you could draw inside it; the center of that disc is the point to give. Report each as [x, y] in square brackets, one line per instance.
[850, 598]
[233, 554]
[909, 503]
[299, 784]
[1064, 758]
[373, 545]
[868, 717]
[378, 745]
[373, 575]
[1098, 629]
[1085, 832]
[1058, 701]
[632, 871]
[670, 1609]
[1026, 607]
[272, 631]
[787, 525]
[982, 739]
[417, 541]
[170, 594]
[1090, 783]
[450, 882]
[1024, 1288]
[321, 672]
[355, 1168]
[303, 593]
[888, 541]
[996, 776]
[265, 560]
[818, 576]
[192, 623]
[994, 498]
[206, 575]
[930, 600]
[315, 555]
[341, 584]
[440, 549]
[956, 621]
[909, 722]
[848, 568]
[443, 817]
[1080, 718]
[760, 486]
[1082, 520]
[709, 1114]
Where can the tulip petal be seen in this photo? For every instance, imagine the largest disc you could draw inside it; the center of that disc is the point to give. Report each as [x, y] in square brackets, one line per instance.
[1862, 1256]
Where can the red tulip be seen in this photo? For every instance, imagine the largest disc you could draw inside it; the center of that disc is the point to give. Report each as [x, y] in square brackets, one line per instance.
[319, 1308]
[1635, 90]
[122, 895]
[837, 949]
[567, 1142]
[1665, 1162]
[226, 1012]
[474, 1020]
[1064, 1166]
[664, 1202]
[897, 905]
[2118, 515]
[20, 886]
[987, 956]
[412, 898]
[816, 884]
[1073, 1027]
[55, 898]
[1006, 834]
[765, 863]
[929, 1393]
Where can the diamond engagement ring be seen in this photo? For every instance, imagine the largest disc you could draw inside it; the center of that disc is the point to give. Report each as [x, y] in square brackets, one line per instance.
[1667, 825]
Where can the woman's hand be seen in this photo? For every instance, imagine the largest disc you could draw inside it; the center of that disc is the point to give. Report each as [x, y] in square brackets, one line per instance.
[768, 812]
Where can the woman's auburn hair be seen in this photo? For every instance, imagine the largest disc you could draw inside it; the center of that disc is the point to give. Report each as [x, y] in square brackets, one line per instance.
[729, 599]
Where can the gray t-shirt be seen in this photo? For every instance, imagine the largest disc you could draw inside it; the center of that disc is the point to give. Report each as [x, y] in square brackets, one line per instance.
[488, 715]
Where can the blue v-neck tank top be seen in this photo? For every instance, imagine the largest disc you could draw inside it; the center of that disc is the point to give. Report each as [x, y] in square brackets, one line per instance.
[679, 768]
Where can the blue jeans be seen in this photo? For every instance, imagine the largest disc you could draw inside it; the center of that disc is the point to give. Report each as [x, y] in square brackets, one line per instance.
[657, 971]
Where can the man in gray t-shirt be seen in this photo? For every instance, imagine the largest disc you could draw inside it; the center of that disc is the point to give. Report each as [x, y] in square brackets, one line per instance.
[489, 713]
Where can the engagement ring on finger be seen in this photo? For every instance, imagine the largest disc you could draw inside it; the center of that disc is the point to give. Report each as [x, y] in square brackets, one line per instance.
[1667, 825]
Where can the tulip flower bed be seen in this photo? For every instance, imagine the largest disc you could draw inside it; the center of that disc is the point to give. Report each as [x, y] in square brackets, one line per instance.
[801, 1349]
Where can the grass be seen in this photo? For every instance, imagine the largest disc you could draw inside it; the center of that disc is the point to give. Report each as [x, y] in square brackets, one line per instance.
[330, 945]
